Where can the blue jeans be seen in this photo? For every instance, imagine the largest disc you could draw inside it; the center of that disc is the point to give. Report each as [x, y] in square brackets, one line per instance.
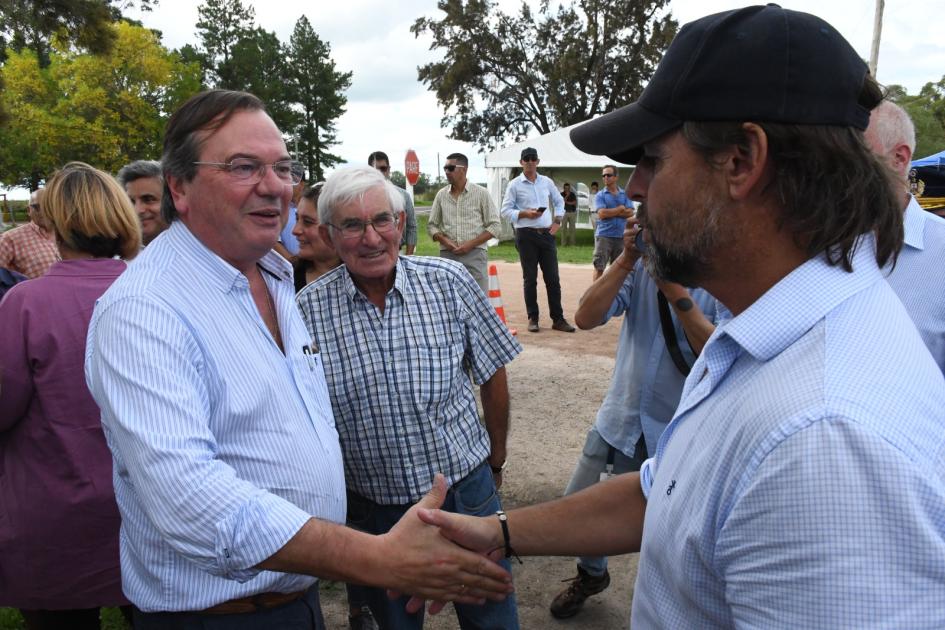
[304, 613]
[476, 495]
[587, 472]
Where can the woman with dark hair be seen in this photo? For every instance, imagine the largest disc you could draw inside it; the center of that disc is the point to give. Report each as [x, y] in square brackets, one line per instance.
[316, 258]
[58, 518]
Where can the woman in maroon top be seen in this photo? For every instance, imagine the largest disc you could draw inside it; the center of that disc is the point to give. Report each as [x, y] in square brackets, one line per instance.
[58, 518]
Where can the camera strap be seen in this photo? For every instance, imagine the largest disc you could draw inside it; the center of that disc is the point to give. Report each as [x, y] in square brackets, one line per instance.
[669, 335]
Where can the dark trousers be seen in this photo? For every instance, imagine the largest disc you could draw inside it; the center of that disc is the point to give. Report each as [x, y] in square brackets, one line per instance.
[304, 613]
[537, 248]
[474, 495]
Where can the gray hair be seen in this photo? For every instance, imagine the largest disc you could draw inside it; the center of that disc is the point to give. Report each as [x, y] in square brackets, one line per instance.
[892, 126]
[138, 170]
[350, 183]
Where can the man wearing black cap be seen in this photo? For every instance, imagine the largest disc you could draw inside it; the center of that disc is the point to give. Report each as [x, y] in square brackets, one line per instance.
[801, 482]
[526, 203]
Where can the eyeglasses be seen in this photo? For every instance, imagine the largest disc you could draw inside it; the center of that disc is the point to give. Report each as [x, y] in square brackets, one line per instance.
[383, 169]
[530, 158]
[608, 174]
[449, 168]
[250, 172]
[355, 228]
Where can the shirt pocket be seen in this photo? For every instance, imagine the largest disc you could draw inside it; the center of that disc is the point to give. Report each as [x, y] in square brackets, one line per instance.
[433, 370]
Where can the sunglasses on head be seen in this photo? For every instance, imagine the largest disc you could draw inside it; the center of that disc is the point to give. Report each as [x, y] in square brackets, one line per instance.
[449, 168]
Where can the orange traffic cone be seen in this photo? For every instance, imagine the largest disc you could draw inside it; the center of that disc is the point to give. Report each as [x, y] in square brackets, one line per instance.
[495, 297]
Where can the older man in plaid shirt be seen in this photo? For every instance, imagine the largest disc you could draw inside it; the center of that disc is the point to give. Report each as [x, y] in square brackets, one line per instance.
[403, 340]
[29, 249]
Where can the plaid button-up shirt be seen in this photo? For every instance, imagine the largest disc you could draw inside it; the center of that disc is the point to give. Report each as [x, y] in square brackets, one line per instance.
[400, 381]
[28, 249]
[465, 217]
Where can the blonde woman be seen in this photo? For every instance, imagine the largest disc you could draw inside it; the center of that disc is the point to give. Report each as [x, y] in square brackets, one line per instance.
[58, 518]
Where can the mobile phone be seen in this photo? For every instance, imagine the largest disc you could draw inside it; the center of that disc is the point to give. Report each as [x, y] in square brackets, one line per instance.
[542, 209]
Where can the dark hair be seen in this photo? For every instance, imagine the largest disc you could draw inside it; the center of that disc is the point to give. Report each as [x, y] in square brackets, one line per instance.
[311, 192]
[831, 188]
[568, 184]
[459, 157]
[139, 169]
[376, 156]
[616, 172]
[183, 138]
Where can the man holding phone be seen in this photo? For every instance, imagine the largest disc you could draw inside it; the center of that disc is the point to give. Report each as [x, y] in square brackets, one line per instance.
[526, 201]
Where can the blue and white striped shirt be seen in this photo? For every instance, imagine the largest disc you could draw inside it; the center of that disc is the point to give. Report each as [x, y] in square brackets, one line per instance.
[919, 277]
[801, 483]
[223, 447]
[399, 380]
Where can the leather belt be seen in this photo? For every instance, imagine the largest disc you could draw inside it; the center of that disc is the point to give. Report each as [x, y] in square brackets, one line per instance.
[253, 603]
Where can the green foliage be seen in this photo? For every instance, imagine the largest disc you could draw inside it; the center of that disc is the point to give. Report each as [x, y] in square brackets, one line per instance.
[105, 109]
[318, 89]
[927, 109]
[221, 25]
[257, 64]
[85, 23]
[503, 77]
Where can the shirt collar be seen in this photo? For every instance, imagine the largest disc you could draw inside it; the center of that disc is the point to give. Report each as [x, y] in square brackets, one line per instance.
[220, 273]
[400, 282]
[799, 300]
[914, 224]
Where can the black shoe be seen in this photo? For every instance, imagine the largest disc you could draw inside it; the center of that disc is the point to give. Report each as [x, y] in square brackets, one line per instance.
[570, 600]
[563, 325]
[363, 620]
[533, 325]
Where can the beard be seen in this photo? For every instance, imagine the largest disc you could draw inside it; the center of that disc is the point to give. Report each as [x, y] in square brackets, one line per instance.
[680, 246]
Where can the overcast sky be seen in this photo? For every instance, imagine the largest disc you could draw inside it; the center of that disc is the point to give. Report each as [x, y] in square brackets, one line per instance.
[389, 110]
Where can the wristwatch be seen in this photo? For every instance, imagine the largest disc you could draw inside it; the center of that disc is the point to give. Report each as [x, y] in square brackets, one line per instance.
[498, 469]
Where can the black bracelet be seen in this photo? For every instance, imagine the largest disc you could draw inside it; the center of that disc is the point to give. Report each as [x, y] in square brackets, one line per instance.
[509, 552]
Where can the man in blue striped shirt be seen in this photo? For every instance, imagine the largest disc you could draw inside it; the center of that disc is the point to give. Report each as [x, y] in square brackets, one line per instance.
[404, 340]
[801, 481]
[227, 465]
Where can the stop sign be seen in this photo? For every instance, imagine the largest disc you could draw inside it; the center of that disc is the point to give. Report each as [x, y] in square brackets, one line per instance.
[412, 167]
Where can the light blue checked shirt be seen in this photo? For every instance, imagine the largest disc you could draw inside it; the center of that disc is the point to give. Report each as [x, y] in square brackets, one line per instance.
[399, 381]
[223, 447]
[919, 277]
[646, 385]
[800, 484]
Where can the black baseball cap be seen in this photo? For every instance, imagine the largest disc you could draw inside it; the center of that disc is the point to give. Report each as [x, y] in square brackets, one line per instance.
[529, 152]
[762, 64]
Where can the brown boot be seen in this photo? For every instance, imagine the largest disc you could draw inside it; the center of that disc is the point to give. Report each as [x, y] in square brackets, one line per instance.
[570, 600]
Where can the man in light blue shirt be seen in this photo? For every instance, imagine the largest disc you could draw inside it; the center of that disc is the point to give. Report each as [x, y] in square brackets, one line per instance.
[801, 481]
[527, 204]
[613, 210]
[649, 373]
[231, 497]
[891, 135]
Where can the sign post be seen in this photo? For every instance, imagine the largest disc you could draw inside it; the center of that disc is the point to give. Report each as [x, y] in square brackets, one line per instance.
[411, 170]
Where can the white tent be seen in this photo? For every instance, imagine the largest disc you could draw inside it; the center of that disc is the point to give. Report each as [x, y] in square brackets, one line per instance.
[559, 159]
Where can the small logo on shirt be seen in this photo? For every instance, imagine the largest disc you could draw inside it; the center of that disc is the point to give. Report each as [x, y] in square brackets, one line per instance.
[671, 487]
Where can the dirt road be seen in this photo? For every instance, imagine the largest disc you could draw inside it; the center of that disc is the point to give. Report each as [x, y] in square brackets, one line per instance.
[556, 386]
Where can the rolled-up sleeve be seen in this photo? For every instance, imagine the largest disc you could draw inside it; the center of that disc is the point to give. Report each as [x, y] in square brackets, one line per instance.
[147, 373]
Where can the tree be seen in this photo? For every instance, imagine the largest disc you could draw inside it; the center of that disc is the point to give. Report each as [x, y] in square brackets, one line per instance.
[318, 89]
[258, 65]
[502, 77]
[221, 25]
[32, 23]
[102, 109]
[927, 110]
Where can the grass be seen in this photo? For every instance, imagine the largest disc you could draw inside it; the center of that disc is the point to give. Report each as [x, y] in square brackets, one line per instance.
[10, 619]
[582, 252]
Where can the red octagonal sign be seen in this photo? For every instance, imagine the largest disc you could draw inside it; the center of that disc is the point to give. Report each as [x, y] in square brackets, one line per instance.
[412, 167]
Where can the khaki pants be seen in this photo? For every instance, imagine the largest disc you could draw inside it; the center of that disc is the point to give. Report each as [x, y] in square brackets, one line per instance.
[569, 228]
